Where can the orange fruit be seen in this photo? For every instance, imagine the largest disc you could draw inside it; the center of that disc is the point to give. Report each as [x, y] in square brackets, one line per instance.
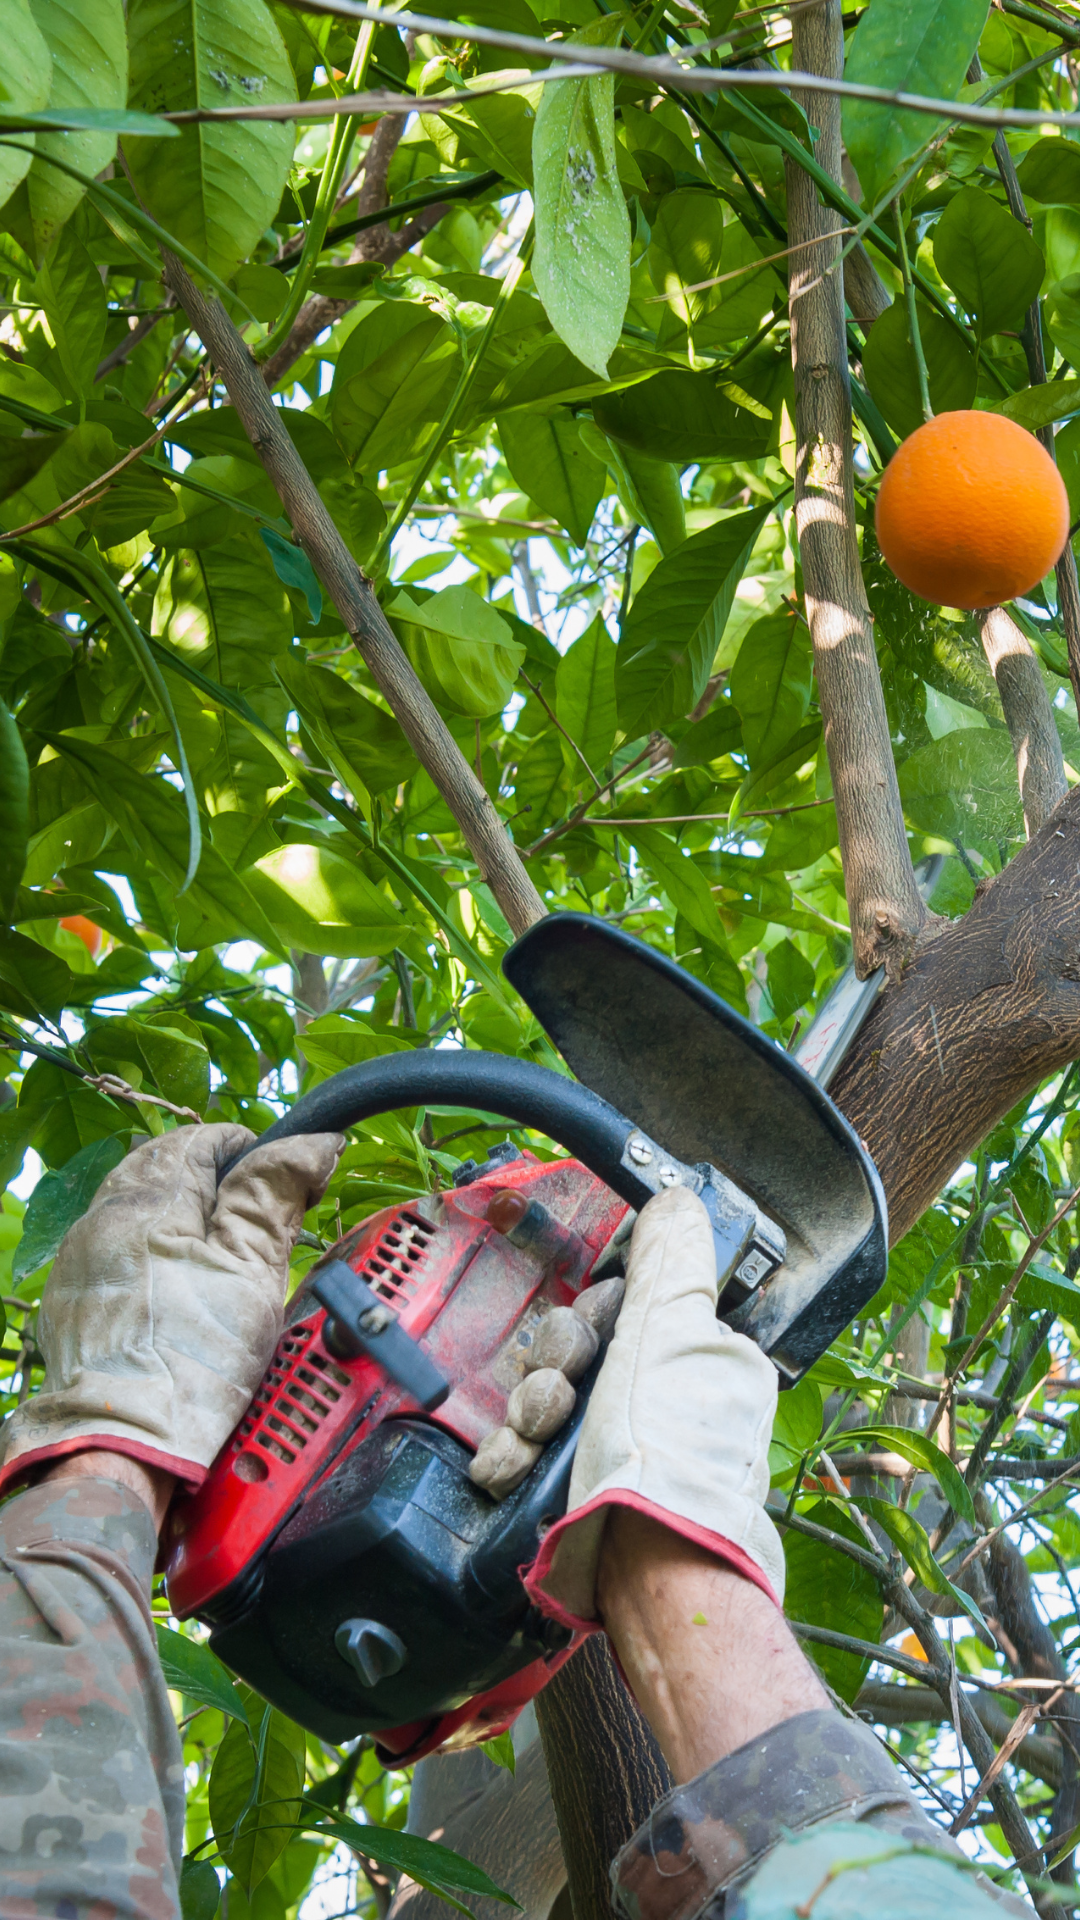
[971, 510]
[90, 935]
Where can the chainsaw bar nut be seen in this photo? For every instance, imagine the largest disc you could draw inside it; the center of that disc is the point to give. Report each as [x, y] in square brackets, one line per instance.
[565, 1340]
[502, 1460]
[540, 1404]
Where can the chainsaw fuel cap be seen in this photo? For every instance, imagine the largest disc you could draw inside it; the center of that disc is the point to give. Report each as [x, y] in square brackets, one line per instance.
[373, 1651]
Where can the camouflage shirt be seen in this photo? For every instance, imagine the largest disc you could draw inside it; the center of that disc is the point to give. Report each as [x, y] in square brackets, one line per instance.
[766, 1830]
[91, 1775]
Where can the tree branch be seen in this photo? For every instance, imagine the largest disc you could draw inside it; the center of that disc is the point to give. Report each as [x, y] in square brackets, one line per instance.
[893, 1706]
[363, 618]
[1028, 715]
[988, 1008]
[886, 911]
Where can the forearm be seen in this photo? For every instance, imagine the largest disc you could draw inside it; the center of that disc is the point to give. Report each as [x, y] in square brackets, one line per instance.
[91, 1780]
[709, 1657]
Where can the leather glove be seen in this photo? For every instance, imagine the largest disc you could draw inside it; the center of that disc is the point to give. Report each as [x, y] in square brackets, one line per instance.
[678, 1425]
[164, 1303]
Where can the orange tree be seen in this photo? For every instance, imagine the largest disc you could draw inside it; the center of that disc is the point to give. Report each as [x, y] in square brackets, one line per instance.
[438, 458]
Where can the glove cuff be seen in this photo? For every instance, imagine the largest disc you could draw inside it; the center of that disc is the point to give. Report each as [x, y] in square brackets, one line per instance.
[26, 1462]
[562, 1578]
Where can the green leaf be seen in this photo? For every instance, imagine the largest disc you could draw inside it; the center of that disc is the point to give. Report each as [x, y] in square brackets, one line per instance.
[964, 786]
[217, 905]
[581, 266]
[463, 651]
[359, 738]
[24, 86]
[889, 366]
[1050, 172]
[200, 1890]
[650, 492]
[914, 1446]
[908, 46]
[337, 1040]
[683, 416]
[60, 1198]
[585, 698]
[676, 623]
[176, 1058]
[425, 1861]
[322, 902]
[911, 1537]
[1035, 407]
[826, 1588]
[500, 1752]
[88, 44]
[989, 259]
[255, 1790]
[190, 1667]
[770, 683]
[687, 238]
[393, 376]
[219, 186]
[683, 882]
[790, 979]
[32, 980]
[74, 300]
[14, 811]
[771, 771]
[1061, 317]
[294, 569]
[549, 462]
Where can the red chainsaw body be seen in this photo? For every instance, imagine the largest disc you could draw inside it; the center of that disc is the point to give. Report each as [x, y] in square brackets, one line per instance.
[456, 1284]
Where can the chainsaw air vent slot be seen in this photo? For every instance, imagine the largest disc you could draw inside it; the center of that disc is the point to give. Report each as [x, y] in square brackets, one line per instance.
[393, 1267]
[300, 1389]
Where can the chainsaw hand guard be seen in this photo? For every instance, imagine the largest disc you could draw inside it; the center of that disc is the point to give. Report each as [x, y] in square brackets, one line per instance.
[349, 1567]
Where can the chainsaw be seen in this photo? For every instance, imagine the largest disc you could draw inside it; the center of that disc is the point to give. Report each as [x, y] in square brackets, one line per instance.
[348, 1567]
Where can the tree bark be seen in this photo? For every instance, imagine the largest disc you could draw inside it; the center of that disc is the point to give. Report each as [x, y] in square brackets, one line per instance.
[605, 1770]
[988, 1008]
[1028, 715]
[885, 909]
[363, 618]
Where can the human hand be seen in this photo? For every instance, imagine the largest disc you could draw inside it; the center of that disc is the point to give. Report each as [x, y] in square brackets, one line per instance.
[164, 1303]
[678, 1424]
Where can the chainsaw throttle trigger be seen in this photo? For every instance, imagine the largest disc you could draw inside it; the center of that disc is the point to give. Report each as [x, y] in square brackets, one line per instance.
[359, 1322]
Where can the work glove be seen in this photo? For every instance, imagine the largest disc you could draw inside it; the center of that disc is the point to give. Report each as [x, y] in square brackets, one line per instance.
[678, 1425]
[164, 1304]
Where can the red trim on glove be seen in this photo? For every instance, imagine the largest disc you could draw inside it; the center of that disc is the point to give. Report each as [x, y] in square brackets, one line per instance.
[714, 1543]
[19, 1469]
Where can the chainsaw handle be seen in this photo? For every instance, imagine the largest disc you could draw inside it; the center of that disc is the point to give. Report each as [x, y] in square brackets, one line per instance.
[517, 1090]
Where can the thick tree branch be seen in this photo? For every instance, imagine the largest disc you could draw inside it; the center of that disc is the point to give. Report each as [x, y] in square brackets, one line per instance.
[361, 614]
[605, 1770]
[886, 910]
[988, 1008]
[1028, 715]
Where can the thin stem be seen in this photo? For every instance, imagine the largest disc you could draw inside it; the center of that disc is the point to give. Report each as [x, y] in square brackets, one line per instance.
[913, 317]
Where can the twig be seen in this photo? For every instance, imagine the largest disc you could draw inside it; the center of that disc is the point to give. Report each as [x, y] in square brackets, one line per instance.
[1024, 1721]
[662, 71]
[556, 722]
[913, 320]
[575, 819]
[1034, 1244]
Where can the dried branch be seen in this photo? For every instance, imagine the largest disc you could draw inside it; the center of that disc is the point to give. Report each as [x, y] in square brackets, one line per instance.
[885, 906]
[1028, 715]
[354, 598]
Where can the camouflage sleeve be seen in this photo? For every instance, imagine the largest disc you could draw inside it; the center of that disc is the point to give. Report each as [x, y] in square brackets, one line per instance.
[91, 1776]
[766, 1829]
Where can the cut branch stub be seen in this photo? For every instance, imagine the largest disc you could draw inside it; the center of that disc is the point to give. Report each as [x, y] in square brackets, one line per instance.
[883, 900]
[363, 618]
